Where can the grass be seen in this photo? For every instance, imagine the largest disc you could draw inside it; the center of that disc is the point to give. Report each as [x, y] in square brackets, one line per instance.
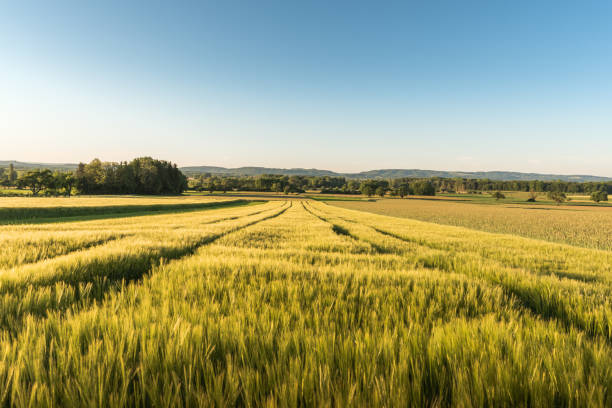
[299, 303]
[581, 226]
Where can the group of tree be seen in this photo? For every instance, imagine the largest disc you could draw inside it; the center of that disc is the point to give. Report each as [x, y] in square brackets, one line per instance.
[263, 183]
[39, 180]
[149, 176]
[143, 175]
[600, 195]
[557, 196]
[299, 184]
[8, 176]
[140, 176]
[498, 195]
[52, 183]
[397, 186]
[463, 185]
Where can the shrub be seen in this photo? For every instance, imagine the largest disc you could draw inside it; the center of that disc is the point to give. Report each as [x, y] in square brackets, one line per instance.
[598, 196]
[498, 195]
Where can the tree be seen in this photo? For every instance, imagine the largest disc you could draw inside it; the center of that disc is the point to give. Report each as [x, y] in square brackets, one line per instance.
[403, 190]
[367, 190]
[64, 181]
[600, 195]
[143, 175]
[557, 196]
[37, 180]
[532, 196]
[498, 195]
[12, 175]
[287, 189]
[423, 188]
[380, 191]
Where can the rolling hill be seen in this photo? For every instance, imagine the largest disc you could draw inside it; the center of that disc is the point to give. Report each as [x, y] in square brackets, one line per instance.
[391, 173]
[371, 174]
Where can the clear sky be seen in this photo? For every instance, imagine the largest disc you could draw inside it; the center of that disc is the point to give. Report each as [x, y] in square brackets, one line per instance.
[346, 86]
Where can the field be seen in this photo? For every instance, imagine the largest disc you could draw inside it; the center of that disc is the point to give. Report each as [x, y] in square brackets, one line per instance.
[298, 302]
[585, 226]
[28, 209]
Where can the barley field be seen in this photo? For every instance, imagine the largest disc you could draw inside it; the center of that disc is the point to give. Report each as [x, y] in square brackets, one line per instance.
[39, 209]
[585, 226]
[298, 303]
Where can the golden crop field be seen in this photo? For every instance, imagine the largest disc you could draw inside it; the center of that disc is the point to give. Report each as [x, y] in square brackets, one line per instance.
[585, 226]
[290, 303]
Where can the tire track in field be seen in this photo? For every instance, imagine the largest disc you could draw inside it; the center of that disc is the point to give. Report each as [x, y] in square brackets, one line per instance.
[440, 247]
[121, 235]
[50, 215]
[87, 246]
[233, 217]
[547, 305]
[104, 241]
[340, 230]
[80, 293]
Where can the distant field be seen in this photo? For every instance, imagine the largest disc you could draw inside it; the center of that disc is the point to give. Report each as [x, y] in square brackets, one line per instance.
[517, 197]
[98, 201]
[586, 226]
[34, 209]
[298, 303]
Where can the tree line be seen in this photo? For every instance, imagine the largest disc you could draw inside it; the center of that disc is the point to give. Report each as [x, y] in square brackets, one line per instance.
[396, 187]
[299, 184]
[149, 176]
[143, 175]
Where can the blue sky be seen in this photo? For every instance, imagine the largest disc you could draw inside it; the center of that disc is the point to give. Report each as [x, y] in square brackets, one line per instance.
[347, 86]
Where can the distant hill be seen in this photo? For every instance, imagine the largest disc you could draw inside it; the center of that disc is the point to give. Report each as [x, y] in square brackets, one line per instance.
[391, 173]
[255, 171]
[371, 174]
[32, 166]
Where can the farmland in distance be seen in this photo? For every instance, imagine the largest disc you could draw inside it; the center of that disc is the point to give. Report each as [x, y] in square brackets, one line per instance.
[579, 225]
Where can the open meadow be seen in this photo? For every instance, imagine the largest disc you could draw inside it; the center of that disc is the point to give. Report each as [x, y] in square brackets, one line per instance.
[297, 302]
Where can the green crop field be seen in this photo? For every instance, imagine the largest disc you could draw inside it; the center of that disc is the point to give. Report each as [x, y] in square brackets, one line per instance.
[296, 303]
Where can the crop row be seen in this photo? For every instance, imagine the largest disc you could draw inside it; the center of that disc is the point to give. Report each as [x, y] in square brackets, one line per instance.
[313, 305]
[16, 215]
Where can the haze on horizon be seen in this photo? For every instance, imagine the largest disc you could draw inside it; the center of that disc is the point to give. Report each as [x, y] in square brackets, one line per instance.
[348, 86]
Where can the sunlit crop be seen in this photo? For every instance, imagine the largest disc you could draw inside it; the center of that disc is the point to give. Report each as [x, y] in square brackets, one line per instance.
[575, 225]
[291, 303]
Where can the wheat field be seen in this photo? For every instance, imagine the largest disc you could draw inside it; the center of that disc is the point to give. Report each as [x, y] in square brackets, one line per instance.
[298, 303]
[585, 226]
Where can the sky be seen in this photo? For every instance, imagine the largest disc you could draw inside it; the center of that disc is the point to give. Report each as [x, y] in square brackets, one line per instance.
[345, 86]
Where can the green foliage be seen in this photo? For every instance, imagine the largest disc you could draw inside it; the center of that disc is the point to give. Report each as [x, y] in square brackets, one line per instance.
[398, 187]
[498, 195]
[143, 175]
[403, 190]
[12, 175]
[367, 190]
[598, 196]
[36, 180]
[557, 196]
[423, 188]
